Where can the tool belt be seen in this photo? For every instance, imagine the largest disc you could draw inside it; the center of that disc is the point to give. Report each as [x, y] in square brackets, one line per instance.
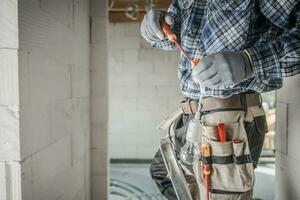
[232, 172]
[210, 104]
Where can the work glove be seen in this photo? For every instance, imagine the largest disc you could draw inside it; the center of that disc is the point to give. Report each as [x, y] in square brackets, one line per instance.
[151, 29]
[223, 70]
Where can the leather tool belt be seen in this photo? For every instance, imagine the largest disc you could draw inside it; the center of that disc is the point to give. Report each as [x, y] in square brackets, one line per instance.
[235, 102]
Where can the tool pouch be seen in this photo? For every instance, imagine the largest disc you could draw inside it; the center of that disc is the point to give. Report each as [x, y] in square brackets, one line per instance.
[232, 172]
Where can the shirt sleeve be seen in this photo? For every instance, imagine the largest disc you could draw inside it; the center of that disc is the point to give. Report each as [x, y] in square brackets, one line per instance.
[280, 57]
[165, 44]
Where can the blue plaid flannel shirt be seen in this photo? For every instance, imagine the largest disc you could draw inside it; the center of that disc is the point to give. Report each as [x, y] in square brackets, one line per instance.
[269, 30]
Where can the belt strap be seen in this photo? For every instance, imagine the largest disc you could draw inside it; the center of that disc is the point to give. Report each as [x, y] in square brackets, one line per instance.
[235, 102]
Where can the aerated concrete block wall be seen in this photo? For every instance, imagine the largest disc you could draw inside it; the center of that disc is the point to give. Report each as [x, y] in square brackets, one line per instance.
[99, 98]
[287, 140]
[143, 89]
[54, 99]
[10, 173]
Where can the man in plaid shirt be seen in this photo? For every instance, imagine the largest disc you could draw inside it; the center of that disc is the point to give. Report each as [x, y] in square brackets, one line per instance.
[245, 46]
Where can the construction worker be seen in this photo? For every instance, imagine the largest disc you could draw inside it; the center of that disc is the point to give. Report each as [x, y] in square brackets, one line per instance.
[246, 47]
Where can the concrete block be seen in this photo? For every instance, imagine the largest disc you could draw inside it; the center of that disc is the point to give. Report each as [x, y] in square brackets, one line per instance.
[56, 155]
[290, 92]
[9, 84]
[123, 79]
[282, 128]
[153, 79]
[287, 176]
[99, 30]
[80, 82]
[124, 43]
[99, 162]
[150, 55]
[9, 24]
[293, 131]
[132, 30]
[98, 57]
[27, 175]
[47, 80]
[99, 8]
[62, 11]
[99, 111]
[99, 136]
[34, 123]
[138, 67]
[9, 133]
[131, 55]
[99, 187]
[10, 180]
[99, 83]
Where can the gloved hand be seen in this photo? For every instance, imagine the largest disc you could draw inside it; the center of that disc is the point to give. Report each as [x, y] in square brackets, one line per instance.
[223, 70]
[151, 29]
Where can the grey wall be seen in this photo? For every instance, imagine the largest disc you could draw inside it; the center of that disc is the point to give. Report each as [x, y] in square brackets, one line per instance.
[143, 89]
[288, 140]
[10, 184]
[99, 99]
[54, 99]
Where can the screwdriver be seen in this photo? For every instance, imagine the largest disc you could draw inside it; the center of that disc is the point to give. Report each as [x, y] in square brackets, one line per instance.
[206, 152]
[172, 37]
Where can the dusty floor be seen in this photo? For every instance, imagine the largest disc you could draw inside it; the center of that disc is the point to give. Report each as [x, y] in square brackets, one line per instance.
[132, 181]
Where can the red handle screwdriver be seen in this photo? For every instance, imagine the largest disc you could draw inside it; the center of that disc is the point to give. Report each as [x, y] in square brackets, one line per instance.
[172, 37]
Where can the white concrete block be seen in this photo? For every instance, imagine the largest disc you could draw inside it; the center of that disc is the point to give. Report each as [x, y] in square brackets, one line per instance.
[99, 111]
[62, 11]
[99, 187]
[293, 131]
[9, 84]
[56, 155]
[99, 8]
[290, 92]
[99, 83]
[80, 82]
[124, 43]
[47, 80]
[2, 181]
[152, 55]
[99, 162]
[132, 29]
[130, 55]
[99, 138]
[9, 24]
[9, 133]
[34, 123]
[98, 56]
[10, 180]
[153, 79]
[27, 175]
[99, 30]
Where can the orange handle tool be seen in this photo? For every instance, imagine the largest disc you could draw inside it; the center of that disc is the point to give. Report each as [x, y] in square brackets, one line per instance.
[172, 37]
[206, 152]
[168, 32]
[222, 132]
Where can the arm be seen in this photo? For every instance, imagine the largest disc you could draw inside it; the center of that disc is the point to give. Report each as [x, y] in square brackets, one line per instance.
[280, 57]
[174, 11]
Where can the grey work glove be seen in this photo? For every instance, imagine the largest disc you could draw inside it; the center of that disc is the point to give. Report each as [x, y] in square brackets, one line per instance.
[151, 29]
[223, 70]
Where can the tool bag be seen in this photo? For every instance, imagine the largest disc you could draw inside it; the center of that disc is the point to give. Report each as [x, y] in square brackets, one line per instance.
[232, 173]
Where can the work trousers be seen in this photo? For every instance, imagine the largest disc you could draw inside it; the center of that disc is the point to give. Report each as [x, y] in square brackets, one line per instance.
[159, 172]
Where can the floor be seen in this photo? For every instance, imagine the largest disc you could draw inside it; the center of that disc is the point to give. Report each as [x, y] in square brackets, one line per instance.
[133, 182]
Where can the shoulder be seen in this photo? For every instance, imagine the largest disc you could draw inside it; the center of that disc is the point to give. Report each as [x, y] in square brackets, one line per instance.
[278, 11]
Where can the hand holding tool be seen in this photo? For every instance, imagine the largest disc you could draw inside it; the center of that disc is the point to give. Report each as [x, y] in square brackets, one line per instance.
[223, 70]
[151, 29]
